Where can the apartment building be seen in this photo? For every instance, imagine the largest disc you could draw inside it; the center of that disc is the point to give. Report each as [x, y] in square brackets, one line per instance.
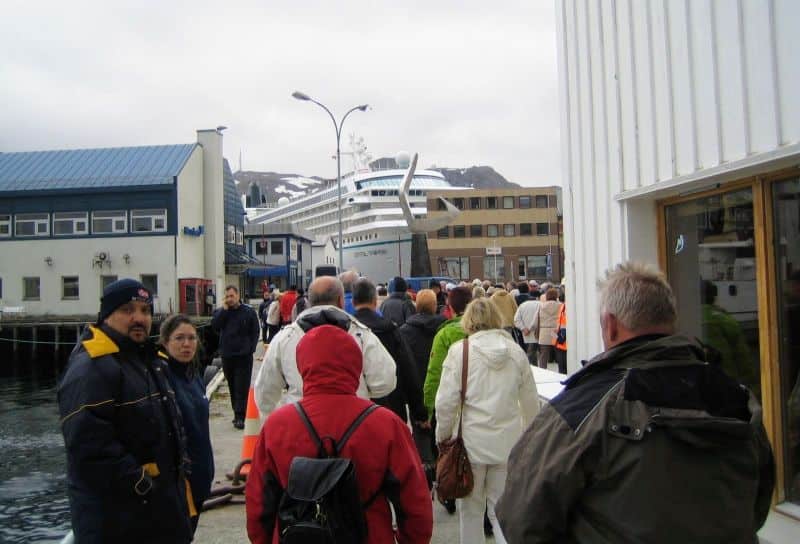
[501, 234]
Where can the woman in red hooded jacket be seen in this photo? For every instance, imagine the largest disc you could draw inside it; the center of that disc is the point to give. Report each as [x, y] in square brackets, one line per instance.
[329, 360]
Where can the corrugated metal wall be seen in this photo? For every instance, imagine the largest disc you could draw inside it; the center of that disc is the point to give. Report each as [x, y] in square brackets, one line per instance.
[654, 91]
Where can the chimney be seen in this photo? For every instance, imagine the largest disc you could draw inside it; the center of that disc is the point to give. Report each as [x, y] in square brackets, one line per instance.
[213, 206]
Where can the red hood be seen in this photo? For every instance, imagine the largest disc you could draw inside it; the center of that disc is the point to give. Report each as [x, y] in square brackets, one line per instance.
[329, 361]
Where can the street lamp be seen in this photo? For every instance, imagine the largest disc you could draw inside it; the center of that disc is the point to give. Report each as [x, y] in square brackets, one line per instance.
[338, 127]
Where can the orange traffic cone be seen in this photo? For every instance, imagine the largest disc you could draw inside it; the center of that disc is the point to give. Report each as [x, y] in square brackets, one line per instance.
[252, 426]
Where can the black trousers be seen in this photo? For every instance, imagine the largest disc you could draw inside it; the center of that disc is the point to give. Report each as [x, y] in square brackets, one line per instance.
[238, 370]
[561, 359]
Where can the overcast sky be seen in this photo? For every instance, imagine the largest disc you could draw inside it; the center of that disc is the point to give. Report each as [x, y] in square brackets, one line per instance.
[462, 83]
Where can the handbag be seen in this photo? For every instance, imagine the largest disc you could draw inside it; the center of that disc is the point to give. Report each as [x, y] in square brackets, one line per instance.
[453, 471]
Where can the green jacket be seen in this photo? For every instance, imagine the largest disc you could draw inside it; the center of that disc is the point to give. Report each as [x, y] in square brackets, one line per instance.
[448, 334]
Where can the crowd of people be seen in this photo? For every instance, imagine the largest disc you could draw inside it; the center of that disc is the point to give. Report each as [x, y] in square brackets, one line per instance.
[361, 383]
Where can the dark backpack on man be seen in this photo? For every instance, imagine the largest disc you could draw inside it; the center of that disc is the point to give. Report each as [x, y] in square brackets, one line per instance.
[322, 503]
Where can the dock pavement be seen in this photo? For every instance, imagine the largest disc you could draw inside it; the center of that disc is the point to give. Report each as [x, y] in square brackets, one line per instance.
[226, 524]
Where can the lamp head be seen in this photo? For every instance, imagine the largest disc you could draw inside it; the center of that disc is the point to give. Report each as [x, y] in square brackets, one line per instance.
[300, 96]
[363, 107]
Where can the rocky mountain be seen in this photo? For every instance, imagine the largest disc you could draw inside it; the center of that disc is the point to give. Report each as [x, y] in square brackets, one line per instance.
[274, 185]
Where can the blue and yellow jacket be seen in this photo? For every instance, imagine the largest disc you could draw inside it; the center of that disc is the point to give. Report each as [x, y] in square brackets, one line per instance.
[124, 442]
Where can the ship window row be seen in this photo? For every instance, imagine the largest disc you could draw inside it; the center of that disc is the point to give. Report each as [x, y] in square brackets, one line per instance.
[494, 230]
[523, 202]
[395, 192]
[44, 225]
[70, 286]
[361, 238]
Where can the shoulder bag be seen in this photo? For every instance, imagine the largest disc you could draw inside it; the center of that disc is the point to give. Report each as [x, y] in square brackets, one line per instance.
[453, 470]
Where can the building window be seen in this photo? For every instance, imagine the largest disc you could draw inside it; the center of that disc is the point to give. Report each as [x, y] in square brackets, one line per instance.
[443, 232]
[65, 223]
[239, 237]
[525, 229]
[276, 247]
[5, 225]
[492, 231]
[459, 231]
[109, 222]
[457, 267]
[475, 231]
[509, 229]
[105, 281]
[537, 266]
[149, 220]
[475, 203]
[441, 204]
[508, 202]
[458, 203]
[262, 247]
[525, 202]
[542, 229]
[32, 224]
[30, 288]
[69, 287]
[230, 234]
[541, 201]
[150, 282]
[494, 267]
[491, 202]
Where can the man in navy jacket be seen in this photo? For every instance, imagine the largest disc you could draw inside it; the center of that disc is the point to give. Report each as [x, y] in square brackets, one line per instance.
[237, 325]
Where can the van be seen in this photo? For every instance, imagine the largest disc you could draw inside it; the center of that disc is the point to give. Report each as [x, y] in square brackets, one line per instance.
[326, 270]
[417, 283]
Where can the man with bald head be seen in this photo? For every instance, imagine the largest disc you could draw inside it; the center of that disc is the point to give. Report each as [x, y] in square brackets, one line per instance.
[278, 371]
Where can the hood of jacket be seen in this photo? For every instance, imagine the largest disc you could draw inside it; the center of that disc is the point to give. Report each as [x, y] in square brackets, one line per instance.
[323, 315]
[329, 361]
[694, 402]
[492, 346]
[427, 322]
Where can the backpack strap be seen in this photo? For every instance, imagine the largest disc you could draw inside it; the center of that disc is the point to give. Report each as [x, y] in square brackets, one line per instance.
[311, 430]
[353, 426]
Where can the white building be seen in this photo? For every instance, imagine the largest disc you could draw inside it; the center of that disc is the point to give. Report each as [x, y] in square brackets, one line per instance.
[72, 221]
[681, 146]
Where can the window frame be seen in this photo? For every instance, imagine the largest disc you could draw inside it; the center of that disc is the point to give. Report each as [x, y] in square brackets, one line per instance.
[512, 227]
[77, 287]
[459, 231]
[272, 246]
[150, 282]
[38, 282]
[538, 200]
[491, 203]
[7, 223]
[472, 231]
[37, 219]
[443, 233]
[496, 230]
[547, 225]
[73, 221]
[154, 214]
[508, 199]
[520, 200]
[113, 216]
[473, 200]
[526, 226]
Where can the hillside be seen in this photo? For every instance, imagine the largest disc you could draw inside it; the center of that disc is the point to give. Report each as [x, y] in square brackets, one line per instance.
[274, 185]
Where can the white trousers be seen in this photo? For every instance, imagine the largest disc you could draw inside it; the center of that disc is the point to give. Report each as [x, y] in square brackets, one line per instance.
[490, 480]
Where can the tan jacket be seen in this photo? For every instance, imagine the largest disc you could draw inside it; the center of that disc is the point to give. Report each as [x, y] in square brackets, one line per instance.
[548, 321]
[647, 443]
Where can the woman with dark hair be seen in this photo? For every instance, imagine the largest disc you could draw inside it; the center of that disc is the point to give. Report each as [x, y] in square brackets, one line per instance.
[179, 340]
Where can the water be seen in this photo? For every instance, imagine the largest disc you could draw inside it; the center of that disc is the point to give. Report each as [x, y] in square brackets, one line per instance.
[33, 490]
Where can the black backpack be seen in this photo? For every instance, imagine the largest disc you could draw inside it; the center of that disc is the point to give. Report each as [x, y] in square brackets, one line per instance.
[322, 502]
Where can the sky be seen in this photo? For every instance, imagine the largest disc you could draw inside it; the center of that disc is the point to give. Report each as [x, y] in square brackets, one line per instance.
[462, 83]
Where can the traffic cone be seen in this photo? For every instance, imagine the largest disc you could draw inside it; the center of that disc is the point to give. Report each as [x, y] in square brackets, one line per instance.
[252, 427]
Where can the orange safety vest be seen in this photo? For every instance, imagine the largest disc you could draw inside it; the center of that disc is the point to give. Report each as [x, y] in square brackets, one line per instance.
[561, 324]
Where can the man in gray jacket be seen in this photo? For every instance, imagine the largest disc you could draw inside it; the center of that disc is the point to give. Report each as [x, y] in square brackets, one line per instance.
[647, 443]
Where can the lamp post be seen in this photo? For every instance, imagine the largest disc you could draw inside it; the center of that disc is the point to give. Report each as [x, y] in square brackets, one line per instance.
[338, 127]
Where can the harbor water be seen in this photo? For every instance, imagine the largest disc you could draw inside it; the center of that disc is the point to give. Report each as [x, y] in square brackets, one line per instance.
[33, 491]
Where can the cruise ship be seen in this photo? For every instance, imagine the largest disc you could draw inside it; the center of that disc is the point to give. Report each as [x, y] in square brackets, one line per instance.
[376, 237]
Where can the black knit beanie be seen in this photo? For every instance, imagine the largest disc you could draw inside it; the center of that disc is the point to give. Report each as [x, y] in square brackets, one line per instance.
[121, 292]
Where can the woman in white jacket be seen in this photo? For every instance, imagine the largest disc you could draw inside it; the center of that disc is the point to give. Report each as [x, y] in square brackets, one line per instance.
[500, 402]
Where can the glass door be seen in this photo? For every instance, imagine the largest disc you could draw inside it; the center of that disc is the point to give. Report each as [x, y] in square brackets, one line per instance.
[712, 270]
[786, 240]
